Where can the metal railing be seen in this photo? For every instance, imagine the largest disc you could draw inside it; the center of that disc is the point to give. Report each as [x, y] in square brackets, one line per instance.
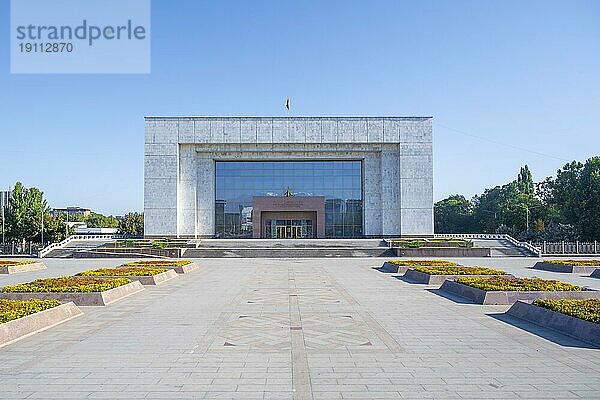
[528, 247]
[569, 247]
[74, 238]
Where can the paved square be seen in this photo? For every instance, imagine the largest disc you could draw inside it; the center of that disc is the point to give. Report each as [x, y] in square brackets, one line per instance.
[303, 329]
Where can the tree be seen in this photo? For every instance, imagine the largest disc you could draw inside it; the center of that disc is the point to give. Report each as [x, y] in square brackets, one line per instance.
[24, 213]
[453, 215]
[525, 181]
[575, 197]
[132, 224]
[55, 228]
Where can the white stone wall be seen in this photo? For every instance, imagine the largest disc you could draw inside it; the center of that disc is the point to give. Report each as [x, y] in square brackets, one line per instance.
[180, 155]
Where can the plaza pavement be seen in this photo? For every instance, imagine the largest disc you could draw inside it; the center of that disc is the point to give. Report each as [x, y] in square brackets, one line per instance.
[297, 328]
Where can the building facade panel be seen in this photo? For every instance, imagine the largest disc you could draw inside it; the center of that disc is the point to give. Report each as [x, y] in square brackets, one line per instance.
[186, 196]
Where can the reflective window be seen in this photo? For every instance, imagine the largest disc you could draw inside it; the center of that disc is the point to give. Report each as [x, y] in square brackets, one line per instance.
[339, 181]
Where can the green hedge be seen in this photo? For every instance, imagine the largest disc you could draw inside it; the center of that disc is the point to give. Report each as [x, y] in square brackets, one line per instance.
[499, 283]
[12, 263]
[124, 271]
[423, 263]
[587, 309]
[67, 284]
[460, 271]
[576, 263]
[15, 309]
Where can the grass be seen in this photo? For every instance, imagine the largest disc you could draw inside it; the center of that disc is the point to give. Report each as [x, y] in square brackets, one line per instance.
[15, 309]
[156, 263]
[451, 270]
[499, 283]
[423, 263]
[124, 271]
[576, 263]
[586, 309]
[67, 284]
[12, 263]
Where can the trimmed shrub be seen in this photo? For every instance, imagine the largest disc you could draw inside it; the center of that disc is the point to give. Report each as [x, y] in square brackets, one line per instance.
[423, 263]
[124, 271]
[67, 284]
[586, 309]
[576, 263]
[500, 283]
[15, 309]
[459, 271]
[12, 263]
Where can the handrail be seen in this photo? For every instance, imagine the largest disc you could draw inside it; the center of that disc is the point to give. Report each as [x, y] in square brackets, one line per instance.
[497, 236]
[73, 238]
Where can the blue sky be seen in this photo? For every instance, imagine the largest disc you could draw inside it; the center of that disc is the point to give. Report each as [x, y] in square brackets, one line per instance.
[507, 83]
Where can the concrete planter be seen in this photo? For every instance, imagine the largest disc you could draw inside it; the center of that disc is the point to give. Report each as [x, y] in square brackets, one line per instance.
[186, 269]
[509, 297]
[395, 268]
[148, 280]
[421, 277]
[442, 252]
[18, 329]
[571, 326]
[565, 268]
[79, 298]
[15, 269]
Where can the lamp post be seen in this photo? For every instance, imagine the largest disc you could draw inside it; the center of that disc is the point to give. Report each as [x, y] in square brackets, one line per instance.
[42, 229]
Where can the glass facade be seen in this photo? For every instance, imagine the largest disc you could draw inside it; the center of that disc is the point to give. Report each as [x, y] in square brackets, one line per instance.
[340, 182]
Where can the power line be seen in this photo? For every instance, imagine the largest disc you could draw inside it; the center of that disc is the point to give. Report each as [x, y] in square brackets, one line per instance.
[512, 146]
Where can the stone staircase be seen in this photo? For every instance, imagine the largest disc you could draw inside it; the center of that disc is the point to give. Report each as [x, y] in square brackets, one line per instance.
[79, 245]
[502, 248]
[288, 248]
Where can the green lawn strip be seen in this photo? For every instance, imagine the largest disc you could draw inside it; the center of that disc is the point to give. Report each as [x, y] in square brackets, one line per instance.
[67, 284]
[575, 263]
[158, 263]
[15, 309]
[499, 283]
[423, 263]
[586, 309]
[12, 263]
[452, 270]
[124, 271]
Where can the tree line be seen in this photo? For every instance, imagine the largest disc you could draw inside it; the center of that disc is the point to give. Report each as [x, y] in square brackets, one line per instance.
[562, 207]
[27, 212]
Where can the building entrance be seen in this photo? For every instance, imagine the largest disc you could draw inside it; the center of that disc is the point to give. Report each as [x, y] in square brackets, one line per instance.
[289, 228]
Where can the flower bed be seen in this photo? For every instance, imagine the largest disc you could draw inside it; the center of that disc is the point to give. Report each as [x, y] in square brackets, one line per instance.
[67, 284]
[81, 290]
[508, 290]
[154, 263]
[15, 309]
[577, 263]
[145, 275]
[586, 309]
[497, 283]
[456, 270]
[401, 266]
[20, 318]
[180, 266]
[577, 318]
[423, 263]
[569, 266]
[13, 266]
[438, 275]
[124, 271]
[9, 263]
